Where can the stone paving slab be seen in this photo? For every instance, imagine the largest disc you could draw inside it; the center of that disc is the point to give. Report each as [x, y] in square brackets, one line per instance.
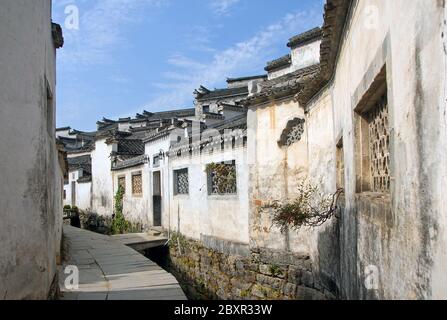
[109, 270]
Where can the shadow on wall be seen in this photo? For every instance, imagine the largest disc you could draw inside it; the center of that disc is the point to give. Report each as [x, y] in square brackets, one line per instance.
[329, 256]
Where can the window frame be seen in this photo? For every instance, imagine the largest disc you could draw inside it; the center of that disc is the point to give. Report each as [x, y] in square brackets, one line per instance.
[134, 175]
[370, 102]
[209, 182]
[175, 174]
[120, 177]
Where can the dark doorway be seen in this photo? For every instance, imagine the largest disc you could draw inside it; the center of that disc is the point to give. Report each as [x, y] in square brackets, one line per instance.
[157, 198]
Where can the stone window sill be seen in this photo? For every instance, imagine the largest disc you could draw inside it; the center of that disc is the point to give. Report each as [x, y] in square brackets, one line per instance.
[223, 197]
[181, 196]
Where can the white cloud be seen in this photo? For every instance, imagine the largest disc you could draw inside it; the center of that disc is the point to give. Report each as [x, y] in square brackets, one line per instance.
[243, 58]
[102, 28]
[222, 7]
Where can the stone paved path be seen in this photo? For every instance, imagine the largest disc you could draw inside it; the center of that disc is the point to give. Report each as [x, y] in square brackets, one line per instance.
[109, 270]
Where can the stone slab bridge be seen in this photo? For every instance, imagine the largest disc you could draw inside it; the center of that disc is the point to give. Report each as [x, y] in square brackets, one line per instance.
[110, 270]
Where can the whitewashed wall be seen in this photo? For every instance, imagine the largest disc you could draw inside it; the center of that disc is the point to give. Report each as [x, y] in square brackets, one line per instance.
[151, 149]
[199, 214]
[102, 182]
[408, 247]
[135, 207]
[31, 188]
[306, 55]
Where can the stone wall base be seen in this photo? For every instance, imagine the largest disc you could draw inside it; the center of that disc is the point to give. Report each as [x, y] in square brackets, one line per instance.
[263, 274]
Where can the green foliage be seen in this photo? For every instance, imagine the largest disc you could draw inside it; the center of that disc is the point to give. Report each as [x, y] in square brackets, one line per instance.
[310, 208]
[276, 270]
[119, 224]
[71, 211]
[177, 239]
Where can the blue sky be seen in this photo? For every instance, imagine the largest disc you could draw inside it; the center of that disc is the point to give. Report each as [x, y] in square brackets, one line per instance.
[134, 55]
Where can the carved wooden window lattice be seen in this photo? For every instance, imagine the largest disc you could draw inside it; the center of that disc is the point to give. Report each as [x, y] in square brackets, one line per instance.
[122, 183]
[137, 184]
[181, 182]
[222, 179]
[379, 144]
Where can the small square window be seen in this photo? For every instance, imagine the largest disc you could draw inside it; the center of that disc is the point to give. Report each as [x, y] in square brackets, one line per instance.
[181, 182]
[137, 184]
[222, 179]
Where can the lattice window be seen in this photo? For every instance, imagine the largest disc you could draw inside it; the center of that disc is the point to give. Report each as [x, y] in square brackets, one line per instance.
[379, 144]
[222, 179]
[122, 183]
[295, 135]
[181, 182]
[137, 184]
[293, 132]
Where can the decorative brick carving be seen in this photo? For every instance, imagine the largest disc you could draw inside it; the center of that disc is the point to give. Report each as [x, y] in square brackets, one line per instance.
[293, 132]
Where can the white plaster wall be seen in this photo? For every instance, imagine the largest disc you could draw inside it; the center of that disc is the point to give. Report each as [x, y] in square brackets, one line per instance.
[196, 214]
[151, 149]
[83, 191]
[305, 55]
[408, 249]
[135, 207]
[84, 196]
[102, 183]
[277, 172]
[279, 72]
[30, 192]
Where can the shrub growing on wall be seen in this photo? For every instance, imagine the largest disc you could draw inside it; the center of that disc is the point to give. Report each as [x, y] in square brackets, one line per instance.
[310, 208]
[119, 224]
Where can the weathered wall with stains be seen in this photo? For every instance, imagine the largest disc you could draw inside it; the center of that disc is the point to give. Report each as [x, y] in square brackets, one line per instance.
[31, 188]
[405, 237]
[102, 183]
[200, 215]
[135, 206]
[276, 172]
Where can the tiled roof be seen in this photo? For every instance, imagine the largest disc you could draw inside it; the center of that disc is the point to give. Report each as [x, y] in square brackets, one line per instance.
[305, 37]
[283, 86]
[130, 147]
[335, 16]
[282, 62]
[82, 162]
[231, 80]
[239, 122]
[85, 179]
[222, 93]
[130, 163]
[149, 116]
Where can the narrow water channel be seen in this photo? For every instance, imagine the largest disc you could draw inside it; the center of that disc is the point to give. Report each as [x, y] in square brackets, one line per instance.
[193, 290]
